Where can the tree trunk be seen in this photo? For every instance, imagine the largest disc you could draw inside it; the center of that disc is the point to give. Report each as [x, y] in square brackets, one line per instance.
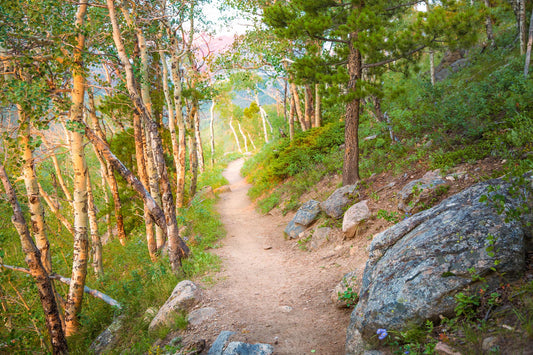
[432, 66]
[488, 24]
[38, 272]
[250, 138]
[180, 161]
[350, 174]
[141, 170]
[291, 119]
[193, 155]
[212, 131]
[296, 98]
[55, 210]
[309, 106]
[522, 26]
[96, 243]
[318, 107]
[199, 146]
[110, 177]
[177, 248]
[32, 191]
[81, 241]
[529, 44]
[235, 134]
[60, 179]
[243, 136]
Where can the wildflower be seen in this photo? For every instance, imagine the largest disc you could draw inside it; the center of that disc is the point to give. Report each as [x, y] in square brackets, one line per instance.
[382, 333]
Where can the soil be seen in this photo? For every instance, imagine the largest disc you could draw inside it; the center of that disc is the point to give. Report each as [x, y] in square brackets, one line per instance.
[269, 290]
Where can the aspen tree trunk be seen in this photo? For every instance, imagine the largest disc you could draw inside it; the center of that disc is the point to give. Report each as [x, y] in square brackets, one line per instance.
[250, 138]
[262, 113]
[350, 174]
[212, 131]
[55, 210]
[81, 241]
[432, 66]
[107, 218]
[529, 44]
[150, 158]
[200, 148]
[488, 25]
[235, 134]
[291, 119]
[141, 169]
[193, 155]
[318, 106]
[522, 25]
[177, 248]
[110, 177]
[96, 243]
[296, 98]
[309, 105]
[243, 136]
[38, 272]
[180, 162]
[60, 179]
[32, 191]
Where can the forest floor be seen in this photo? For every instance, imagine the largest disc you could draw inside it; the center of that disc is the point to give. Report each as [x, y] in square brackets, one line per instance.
[269, 290]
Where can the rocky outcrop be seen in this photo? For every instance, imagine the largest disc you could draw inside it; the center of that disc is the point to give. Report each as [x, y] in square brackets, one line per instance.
[222, 347]
[416, 267]
[303, 218]
[336, 203]
[184, 296]
[420, 191]
[353, 218]
[222, 189]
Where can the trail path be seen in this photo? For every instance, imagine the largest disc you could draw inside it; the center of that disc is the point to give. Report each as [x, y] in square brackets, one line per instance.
[269, 290]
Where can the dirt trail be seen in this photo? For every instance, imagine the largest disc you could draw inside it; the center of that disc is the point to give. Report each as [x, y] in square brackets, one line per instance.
[269, 290]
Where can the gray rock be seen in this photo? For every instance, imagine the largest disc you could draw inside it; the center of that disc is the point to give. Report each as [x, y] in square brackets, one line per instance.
[184, 296]
[303, 218]
[336, 203]
[416, 267]
[349, 283]
[320, 237]
[108, 338]
[444, 349]
[353, 218]
[355, 344]
[218, 345]
[419, 191]
[307, 213]
[198, 316]
[207, 192]
[238, 348]
[149, 314]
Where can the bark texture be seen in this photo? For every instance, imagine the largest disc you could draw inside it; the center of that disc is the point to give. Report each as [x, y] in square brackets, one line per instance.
[350, 173]
[81, 241]
[37, 271]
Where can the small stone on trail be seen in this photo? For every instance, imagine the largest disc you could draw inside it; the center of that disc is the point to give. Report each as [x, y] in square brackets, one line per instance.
[268, 247]
[444, 349]
[285, 309]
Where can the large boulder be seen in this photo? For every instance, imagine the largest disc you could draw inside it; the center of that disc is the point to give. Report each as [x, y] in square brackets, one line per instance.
[336, 203]
[353, 218]
[303, 218]
[184, 296]
[416, 267]
[420, 191]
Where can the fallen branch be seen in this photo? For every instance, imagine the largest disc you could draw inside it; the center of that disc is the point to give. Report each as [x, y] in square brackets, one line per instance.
[66, 280]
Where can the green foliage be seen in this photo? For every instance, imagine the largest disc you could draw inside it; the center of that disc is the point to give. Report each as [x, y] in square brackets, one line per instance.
[466, 305]
[392, 216]
[349, 296]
